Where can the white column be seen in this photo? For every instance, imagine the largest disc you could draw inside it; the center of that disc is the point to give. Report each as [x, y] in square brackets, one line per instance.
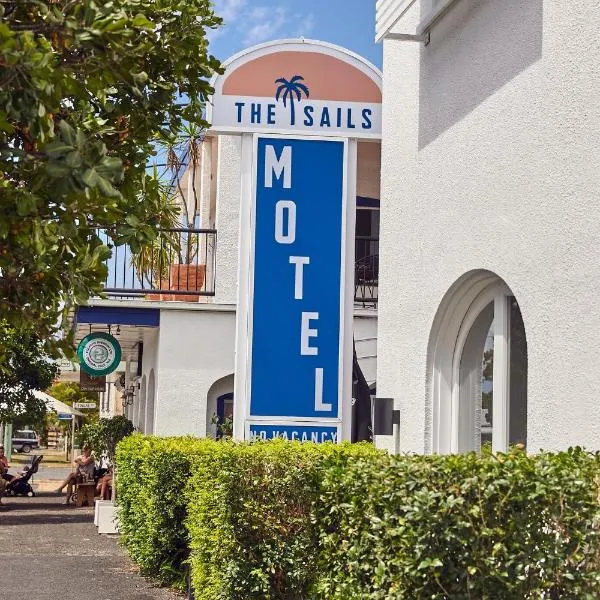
[501, 404]
[347, 279]
[244, 301]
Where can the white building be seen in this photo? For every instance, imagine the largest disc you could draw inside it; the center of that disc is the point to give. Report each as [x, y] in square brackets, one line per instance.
[490, 222]
[177, 329]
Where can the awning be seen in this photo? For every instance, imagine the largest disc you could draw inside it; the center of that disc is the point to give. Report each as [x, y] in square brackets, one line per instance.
[56, 405]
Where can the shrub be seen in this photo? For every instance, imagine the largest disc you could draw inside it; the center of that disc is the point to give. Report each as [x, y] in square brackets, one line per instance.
[290, 521]
[250, 518]
[152, 474]
[465, 526]
[103, 436]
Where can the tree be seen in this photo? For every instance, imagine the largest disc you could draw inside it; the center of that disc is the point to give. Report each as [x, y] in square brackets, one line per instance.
[87, 89]
[289, 89]
[104, 435]
[25, 366]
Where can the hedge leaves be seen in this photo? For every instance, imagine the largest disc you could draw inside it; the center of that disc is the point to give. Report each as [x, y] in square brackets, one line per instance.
[290, 521]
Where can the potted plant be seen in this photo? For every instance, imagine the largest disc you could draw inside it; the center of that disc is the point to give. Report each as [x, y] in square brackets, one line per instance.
[184, 161]
[173, 258]
[152, 260]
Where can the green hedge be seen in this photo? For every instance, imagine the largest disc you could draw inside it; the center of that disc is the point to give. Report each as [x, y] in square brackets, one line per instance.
[508, 527]
[250, 519]
[151, 478]
[294, 521]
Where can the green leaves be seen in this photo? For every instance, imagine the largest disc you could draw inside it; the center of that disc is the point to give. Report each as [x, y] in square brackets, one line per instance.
[103, 435]
[467, 526]
[25, 365]
[286, 521]
[86, 89]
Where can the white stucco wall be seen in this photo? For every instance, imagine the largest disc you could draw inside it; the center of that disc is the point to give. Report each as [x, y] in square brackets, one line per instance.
[228, 218]
[489, 161]
[150, 338]
[196, 348]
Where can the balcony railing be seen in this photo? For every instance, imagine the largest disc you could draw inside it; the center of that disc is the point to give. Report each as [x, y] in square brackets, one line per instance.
[366, 271]
[179, 265]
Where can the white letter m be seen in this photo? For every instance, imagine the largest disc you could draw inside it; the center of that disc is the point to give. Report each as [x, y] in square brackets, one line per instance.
[278, 166]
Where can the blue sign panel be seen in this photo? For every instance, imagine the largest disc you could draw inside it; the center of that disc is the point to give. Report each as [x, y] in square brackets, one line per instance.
[300, 433]
[297, 297]
[64, 416]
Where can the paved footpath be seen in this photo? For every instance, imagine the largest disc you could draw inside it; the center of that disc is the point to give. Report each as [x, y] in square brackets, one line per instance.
[49, 550]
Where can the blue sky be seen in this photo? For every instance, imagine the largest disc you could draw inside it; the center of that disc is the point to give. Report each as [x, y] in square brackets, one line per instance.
[348, 23]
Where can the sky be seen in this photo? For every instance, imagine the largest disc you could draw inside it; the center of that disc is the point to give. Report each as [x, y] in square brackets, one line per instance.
[348, 23]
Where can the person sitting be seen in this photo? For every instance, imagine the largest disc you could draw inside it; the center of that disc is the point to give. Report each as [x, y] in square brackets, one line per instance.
[84, 471]
[104, 487]
[4, 476]
[4, 466]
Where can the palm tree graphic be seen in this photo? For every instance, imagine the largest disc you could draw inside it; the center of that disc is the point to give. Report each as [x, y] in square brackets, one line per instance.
[291, 90]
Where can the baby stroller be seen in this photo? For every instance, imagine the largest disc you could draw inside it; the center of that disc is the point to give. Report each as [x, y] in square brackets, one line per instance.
[21, 486]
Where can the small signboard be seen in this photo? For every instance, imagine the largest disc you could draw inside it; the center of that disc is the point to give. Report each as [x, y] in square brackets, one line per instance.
[64, 417]
[91, 405]
[89, 383]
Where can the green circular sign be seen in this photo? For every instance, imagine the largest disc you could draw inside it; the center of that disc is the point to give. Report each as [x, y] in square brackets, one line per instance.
[99, 353]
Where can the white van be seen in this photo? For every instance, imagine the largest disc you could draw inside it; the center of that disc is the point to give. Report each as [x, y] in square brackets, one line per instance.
[25, 441]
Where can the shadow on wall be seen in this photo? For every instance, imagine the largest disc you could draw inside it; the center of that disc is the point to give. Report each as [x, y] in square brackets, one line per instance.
[477, 49]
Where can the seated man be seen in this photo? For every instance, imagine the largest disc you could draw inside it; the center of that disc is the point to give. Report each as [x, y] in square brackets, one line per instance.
[84, 471]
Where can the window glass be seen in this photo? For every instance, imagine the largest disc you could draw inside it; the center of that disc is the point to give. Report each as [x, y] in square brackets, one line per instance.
[518, 377]
[487, 390]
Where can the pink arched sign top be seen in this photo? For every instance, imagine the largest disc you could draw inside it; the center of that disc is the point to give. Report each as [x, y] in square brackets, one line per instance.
[304, 87]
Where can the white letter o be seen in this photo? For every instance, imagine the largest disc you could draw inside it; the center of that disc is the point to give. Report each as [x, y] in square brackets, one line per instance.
[281, 208]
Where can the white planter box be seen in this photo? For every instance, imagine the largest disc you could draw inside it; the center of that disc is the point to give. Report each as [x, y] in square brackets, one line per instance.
[105, 517]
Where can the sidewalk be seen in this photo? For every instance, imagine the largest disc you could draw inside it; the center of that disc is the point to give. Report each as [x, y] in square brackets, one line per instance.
[49, 550]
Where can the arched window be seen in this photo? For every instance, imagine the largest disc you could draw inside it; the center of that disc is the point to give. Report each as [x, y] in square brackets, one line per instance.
[478, 362]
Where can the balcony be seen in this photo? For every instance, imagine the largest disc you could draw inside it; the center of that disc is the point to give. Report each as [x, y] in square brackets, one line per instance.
[178, 266]
[366, 271]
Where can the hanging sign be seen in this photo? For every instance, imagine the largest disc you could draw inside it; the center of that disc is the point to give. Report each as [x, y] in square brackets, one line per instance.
[99, 354]
[298, 297]
[85, 405]
[88, 383]
[64, 416]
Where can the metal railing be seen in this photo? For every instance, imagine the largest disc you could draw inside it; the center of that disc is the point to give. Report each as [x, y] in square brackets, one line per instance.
[366, 271]
[178, 265]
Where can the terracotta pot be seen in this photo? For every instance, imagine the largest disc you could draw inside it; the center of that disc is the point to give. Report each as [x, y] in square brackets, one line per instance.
[182, 277]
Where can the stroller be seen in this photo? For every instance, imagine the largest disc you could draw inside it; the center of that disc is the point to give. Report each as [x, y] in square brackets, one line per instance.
[22, 487]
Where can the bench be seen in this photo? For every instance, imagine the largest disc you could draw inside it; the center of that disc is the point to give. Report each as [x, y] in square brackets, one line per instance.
[85, 494]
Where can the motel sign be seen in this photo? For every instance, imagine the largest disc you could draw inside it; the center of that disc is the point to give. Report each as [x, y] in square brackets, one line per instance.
[300, 107]
[297, 295]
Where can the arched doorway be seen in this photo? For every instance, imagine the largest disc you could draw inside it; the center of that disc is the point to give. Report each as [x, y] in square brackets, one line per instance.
[478, 368]
[219, 406]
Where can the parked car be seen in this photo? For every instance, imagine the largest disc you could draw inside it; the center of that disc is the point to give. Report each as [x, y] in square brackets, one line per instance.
[25, 441]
